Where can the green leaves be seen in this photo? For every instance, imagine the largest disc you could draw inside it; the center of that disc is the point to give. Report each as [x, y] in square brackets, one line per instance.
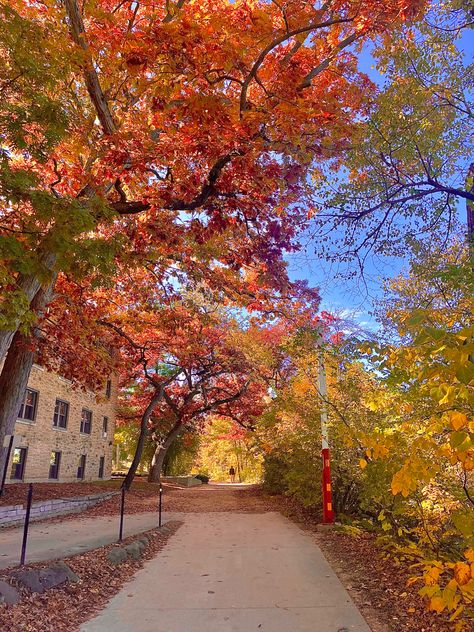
[463, 520]
[465, 373]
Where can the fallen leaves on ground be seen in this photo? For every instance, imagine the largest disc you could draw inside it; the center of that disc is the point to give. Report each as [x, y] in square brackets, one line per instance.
[377, 585]
[67, 606]
[16, 493]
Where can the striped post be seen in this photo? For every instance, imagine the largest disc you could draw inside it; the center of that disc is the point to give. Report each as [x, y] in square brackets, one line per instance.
[328, 513]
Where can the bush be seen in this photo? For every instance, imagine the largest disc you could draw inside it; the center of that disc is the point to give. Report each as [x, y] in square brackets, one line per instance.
[274, 475]
[203, 478]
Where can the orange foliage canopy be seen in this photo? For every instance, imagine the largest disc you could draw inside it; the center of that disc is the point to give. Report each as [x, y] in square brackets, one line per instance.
[189, 132]
[196, 123]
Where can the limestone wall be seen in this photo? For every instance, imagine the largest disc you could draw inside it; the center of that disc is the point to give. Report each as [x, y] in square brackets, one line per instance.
[40, 437]
[11, 515]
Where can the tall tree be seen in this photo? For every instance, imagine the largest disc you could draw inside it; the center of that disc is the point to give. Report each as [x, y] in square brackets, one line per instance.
[191, 129]
[409, 170]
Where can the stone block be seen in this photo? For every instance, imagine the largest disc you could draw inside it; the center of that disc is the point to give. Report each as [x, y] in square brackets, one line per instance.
[117, 555]
[71, 575]
[134, 550]
[8, 594]
[52, 576]
[29, 579]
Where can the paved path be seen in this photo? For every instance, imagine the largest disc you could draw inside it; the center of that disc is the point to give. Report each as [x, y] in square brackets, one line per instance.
[52, 541]
[224, 572]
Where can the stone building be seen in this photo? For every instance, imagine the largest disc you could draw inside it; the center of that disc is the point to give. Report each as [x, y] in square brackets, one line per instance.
[62, 434]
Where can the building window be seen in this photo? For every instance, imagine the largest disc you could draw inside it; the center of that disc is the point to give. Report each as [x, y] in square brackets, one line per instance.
[86, 421]
[18, 464]
[81, 468]
[105, 427]
[108, 389]
[61, 412]
[28, 406]
[101, 466]
[54, 463]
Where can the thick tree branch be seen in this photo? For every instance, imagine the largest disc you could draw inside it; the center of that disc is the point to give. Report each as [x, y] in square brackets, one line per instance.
[208, 188]
[279, 40]
[91, 78]
[306, 83]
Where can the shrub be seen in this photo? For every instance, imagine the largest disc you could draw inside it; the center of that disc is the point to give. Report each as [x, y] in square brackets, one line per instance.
[202, 477]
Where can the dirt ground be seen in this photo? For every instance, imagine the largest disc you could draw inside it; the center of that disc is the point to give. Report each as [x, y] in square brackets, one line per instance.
[377, 584]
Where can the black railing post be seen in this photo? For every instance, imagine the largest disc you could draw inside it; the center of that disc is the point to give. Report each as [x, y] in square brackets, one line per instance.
[122, 509]
[7, 459]
[27, 524]
[160, 504]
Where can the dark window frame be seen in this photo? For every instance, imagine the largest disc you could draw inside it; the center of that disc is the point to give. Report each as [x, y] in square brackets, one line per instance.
[105, 426]
[108, 389]
[86, 426]
[21, 412]
[81, 468]
[54, 467]
[101, 466]
[57, 416]
[18, 469]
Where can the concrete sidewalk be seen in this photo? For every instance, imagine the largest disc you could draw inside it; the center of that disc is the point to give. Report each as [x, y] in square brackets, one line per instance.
[226, 572]
[56, 540]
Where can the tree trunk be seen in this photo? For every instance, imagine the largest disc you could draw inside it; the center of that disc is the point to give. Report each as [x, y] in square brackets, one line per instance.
[16, 371]
[160, 452]
[132, 470]
[29, 284]
[470, 214]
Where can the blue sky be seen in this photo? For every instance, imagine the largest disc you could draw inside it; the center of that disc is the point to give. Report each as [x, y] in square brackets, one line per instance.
[356, 295]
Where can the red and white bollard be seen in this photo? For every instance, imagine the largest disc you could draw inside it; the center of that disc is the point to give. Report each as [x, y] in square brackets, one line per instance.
[328, 513]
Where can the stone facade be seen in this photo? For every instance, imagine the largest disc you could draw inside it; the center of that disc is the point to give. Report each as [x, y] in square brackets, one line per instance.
[84, 432]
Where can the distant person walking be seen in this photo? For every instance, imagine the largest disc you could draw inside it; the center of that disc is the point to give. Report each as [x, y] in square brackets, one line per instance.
[232, 474]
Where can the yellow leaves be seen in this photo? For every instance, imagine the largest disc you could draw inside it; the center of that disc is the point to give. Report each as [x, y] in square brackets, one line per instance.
[363, 464]
[447, 597]
[378, 447]
[469, 555]
[456, 592]
[437, 604]
[457, 420]
[450, 596]
[431, 576]
[418, 469]
[380, 451]
[403, 483]
[467, 591]
[462, 573]
[458, 439]
[446, 394]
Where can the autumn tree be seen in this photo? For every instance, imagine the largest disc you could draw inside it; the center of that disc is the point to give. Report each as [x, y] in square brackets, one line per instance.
[409, 171]
[183, 366]
[226, 443]
[187, 131]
